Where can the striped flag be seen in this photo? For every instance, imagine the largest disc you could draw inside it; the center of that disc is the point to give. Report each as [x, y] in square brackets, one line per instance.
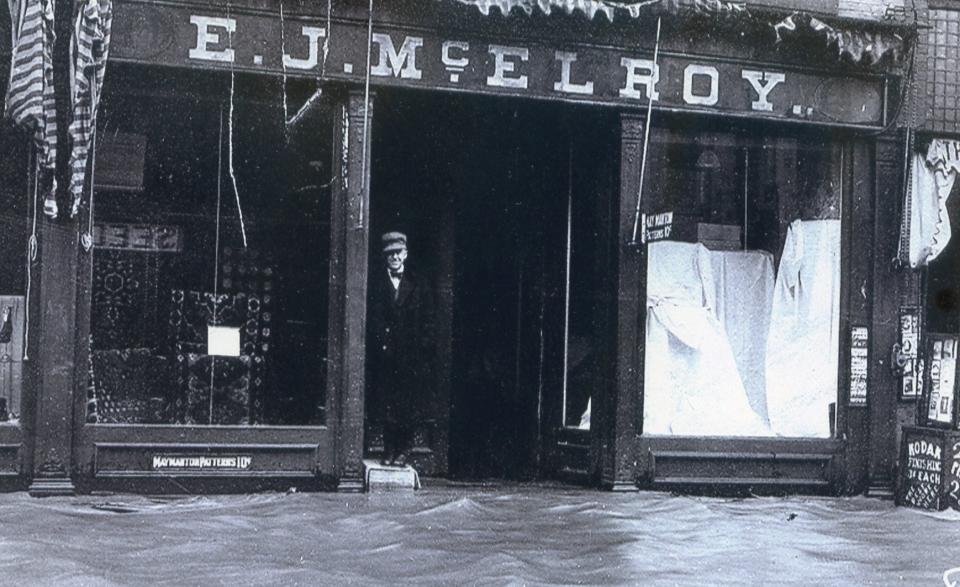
[30, 99]
[89, 49]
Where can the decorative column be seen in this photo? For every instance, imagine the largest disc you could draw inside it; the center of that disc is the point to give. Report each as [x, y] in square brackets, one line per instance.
[52, 353]
[53, 313]
[889, 288]
[350, 222]
[621, 410]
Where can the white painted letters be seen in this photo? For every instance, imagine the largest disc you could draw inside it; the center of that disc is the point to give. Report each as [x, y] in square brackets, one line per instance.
[449, 60]
[208, 37]
[565, 85]
[648, 80]
[313, 35]
[710, 72]
[502, 66]
[455, 65]
[402, 64]
[509, 66]
[762, 83]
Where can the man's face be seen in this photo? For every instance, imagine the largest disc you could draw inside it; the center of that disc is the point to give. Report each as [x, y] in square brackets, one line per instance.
[395, 259]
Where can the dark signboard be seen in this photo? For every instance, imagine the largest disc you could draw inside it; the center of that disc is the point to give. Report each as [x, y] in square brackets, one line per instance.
[209, 37]
[921, 470]
[179, 462]
[140, 459]
[953, 477]
[929, 469]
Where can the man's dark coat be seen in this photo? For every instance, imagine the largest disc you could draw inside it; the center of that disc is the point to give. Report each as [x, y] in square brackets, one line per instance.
[400, 339]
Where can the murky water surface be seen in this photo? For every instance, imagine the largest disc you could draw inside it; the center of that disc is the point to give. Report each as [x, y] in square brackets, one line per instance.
[452, 536]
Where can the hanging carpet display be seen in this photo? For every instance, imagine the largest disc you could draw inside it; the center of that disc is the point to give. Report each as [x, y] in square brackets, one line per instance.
[237, 381]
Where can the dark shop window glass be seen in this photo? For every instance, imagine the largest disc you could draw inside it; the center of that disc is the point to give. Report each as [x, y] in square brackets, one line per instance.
[190, 323]
[943, 284]
[582, 335]
[15, 225]
[743, 299]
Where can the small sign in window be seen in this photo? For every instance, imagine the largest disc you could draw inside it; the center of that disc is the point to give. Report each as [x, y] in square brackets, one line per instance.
[657, 227]
[223, 341]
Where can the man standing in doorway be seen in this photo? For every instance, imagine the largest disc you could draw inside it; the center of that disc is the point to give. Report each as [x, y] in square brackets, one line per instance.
[400, 350]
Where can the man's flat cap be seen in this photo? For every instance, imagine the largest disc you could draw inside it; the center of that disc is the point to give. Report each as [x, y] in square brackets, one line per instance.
[393, 241]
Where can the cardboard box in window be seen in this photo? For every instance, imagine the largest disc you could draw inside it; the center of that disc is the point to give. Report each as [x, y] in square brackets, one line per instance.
[120, 161]
[716, 237]
[719, 237]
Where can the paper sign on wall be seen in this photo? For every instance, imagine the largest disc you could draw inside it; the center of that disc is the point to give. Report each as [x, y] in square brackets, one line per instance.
[943, 372]
[911, 379]
[859, 365]
[223, 341]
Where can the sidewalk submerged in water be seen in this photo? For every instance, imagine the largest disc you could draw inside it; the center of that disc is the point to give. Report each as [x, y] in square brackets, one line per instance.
[507, 534]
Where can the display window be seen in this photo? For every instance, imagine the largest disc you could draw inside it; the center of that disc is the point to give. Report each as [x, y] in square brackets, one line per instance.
[942, 287]
[15, 230]
[743, 283]
[211, 238]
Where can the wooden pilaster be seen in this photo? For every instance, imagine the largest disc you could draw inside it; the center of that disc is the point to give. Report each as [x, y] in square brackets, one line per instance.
[621, 410]
[51, 348]
[889, 282]
[350, 222]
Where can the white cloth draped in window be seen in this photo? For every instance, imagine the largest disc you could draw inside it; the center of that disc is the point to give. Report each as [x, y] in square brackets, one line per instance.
[930, 186]
[744, 293]
[803, 344]
[692, 384]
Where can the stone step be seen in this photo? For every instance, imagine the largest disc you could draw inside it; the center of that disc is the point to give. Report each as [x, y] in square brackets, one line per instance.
[379, 477]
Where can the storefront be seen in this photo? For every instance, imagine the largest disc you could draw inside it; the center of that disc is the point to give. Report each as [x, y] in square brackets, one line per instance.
[688, 294]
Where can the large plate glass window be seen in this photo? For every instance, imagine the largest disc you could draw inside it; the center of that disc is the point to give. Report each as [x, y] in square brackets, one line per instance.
[743, 290]
[17, 194]
[210, 258]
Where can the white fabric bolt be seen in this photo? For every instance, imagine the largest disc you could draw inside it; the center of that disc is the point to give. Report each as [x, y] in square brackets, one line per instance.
[803, 344]
[929, 222]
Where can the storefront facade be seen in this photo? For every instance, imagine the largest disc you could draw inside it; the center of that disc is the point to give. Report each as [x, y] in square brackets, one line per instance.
[694, 295]
[927, 416]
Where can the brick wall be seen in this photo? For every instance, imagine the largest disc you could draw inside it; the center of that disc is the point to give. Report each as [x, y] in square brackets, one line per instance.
[870, 9]
[855, 9]
[941, 75]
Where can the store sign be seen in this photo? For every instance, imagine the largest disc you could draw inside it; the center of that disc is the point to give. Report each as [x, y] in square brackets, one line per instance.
[657, 227]
[182, 463]
[922, 473]
[953, 490]
[148, 238]
[399, 57]
[859, 365]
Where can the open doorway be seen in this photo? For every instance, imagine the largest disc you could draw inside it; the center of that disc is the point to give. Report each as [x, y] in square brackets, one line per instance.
[501, 201]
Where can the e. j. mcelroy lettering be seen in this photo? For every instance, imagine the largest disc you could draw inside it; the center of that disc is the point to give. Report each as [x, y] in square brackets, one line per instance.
[307, 47]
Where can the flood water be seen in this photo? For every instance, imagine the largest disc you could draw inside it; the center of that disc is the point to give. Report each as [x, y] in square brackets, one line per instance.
[504, 535]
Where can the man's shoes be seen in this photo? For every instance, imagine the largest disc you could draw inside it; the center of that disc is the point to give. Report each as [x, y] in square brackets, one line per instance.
[401, 460]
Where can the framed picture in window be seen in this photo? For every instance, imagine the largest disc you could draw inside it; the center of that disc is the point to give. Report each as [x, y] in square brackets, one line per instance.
[909, 359]
[938, 404]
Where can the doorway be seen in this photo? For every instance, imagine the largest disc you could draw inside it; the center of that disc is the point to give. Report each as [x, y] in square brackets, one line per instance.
[501, 200]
